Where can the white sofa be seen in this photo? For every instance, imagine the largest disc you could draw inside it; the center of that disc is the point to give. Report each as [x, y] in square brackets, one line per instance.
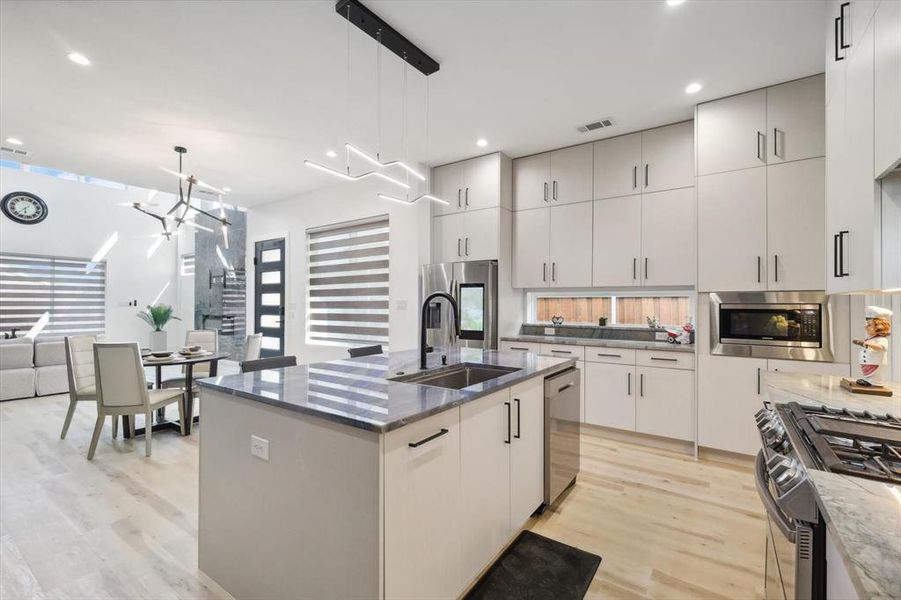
[29, 368]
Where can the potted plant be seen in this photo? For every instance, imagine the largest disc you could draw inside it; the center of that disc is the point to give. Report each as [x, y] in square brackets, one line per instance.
[157, 316]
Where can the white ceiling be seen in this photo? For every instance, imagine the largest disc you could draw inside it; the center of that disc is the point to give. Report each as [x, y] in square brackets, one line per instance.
[254, 87]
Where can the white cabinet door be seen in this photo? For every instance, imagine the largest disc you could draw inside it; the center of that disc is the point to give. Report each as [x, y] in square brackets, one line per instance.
[731, 133]
[448, 186]
[665, 403]
[730, 391]
[809, 367]
[860, 251]
[617, 241]
[527, 451]
[732, 231]
[485, 430]
[482, 182]
[481, 233]
[531, 243]
[531, 181]
[570, 245]
[610, 391]
[447, 237]
[669, 157]
[796, 212]
[796, 120]
[616, 165]
[837, 206]
[668, 237]
[571, 174]
[422, 504]
[887, 80]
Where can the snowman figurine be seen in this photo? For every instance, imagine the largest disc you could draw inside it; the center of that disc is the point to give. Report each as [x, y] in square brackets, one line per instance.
[875, 345]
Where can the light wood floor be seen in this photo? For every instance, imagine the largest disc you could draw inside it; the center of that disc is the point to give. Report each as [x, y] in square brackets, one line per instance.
[124, 526]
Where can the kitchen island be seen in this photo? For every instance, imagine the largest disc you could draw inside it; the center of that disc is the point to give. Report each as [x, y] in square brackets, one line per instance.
[334, 480]
[863, 516]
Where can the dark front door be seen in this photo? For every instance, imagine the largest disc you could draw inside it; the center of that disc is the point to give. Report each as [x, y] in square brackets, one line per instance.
[269, 295]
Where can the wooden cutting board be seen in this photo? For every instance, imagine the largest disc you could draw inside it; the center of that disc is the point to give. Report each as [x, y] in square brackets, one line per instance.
[855, 388]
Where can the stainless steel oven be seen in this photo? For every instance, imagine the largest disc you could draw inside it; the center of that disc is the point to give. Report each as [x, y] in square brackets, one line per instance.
[788, 325]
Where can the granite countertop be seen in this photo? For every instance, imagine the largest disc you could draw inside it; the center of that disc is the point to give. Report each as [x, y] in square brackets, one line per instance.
[863, 516]
[601, 343]
[359, 393]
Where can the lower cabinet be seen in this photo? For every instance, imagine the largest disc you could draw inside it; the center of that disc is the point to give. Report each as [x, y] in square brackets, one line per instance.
[610, 395]
[812, 368]
[730, 392]
[422, 482]
[469, 235]
[665, 403]
[526, 450]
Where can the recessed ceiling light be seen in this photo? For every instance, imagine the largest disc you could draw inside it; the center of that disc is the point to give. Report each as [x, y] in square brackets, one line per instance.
[14, 141]
[481, 142]
[331, 154]
[674, 2]
[693, 88]
[226, 189]
[79, 59]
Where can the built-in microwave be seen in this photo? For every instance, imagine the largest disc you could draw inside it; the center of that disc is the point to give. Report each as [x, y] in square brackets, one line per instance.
[787, 325]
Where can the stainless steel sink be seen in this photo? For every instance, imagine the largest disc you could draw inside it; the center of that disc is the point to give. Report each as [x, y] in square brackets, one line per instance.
[456, 377]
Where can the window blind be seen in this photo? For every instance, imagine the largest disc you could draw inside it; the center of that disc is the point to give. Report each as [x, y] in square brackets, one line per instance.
[71, 293]
[347, 299]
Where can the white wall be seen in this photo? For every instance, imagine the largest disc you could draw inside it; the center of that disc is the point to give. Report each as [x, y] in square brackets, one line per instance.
[409, 250]
[81, 218]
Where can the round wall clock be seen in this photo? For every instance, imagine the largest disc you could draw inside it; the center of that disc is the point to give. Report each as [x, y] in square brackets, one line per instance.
[24, 208]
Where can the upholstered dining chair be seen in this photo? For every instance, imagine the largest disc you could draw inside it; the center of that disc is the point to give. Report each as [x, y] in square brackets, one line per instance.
[80, 372]
[208, 339]
[252, 346]
[122, 390]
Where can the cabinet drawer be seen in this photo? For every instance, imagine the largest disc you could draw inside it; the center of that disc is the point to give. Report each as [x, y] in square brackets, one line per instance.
[563, 351]
[621, 356]
[663, 358]
[521, 347]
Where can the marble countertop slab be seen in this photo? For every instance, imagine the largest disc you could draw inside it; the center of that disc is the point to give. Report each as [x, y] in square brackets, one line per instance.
[600, 343]
[826, 390]
[358, 391]
[863, 517]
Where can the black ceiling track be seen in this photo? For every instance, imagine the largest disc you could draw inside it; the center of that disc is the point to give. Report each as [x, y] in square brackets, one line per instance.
[372, 24]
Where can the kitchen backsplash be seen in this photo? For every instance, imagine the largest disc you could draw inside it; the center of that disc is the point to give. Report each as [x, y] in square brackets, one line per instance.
[636, 334]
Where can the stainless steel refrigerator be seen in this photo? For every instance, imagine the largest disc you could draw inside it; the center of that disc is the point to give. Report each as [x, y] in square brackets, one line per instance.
[474, 286]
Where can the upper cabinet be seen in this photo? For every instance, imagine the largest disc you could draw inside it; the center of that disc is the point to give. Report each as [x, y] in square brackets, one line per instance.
[795, 116]
[649, 161]
[552, 246]
[731, 133]
[668, 157]
[773, 125]
[616, 164]
[559, 177]
[863, 144]
[469, 185]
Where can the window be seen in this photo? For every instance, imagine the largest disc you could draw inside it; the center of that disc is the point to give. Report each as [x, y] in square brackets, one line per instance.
[632, 309]
[347, 298]
[66, 294]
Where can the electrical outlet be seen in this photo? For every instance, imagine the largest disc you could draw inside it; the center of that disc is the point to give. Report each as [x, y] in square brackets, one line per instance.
[259, 447]
[660, 336]
[550, 331]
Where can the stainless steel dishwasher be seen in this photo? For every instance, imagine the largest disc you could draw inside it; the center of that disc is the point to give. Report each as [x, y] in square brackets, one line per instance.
[562, 393]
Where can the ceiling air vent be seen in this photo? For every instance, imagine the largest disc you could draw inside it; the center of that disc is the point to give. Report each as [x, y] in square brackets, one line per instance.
[599, 124]
[16, 151]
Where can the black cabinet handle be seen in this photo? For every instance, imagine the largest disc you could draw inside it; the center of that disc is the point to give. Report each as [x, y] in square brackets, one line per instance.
[841, 14]
[641, 385]
[545, 191]
[565, 387]
[758, 381]
[555, 189]
[835, 272]
[758, 269]
[428, 439]
[518, 419]
[610, 355]
[841, 253]
[647, 180]
[634, 264]
[835, 44]
[776, 265]
[759, 153]
[665, 359]
[518, 348]
[561, 352]
[646, 268]
[629, 384]
[635, 177]
[507, 404]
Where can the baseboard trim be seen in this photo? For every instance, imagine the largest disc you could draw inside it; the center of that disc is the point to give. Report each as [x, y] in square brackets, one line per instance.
[724, 456]
[642, 439]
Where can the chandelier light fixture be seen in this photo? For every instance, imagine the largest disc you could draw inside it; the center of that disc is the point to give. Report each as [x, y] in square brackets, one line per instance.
[385, 35]
[183, 212]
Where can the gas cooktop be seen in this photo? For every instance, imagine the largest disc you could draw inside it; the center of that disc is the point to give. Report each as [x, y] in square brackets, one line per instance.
[862, 444]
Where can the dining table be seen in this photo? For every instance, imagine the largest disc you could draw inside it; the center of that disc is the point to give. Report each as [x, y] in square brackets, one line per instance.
[175, 359]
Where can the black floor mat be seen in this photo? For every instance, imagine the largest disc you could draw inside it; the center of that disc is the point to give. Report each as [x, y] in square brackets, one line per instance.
[534, 567]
